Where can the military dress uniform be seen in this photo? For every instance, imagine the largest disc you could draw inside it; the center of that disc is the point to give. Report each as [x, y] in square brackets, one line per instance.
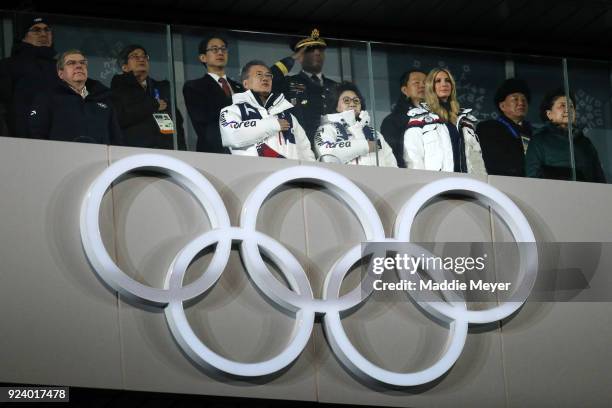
[308, 94]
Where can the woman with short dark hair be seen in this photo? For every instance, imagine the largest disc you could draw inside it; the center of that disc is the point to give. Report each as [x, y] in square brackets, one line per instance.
[345, 134]
[548, 154]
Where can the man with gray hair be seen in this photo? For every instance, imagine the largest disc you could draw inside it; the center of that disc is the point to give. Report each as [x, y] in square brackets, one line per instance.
[258, 123]
[77, 109]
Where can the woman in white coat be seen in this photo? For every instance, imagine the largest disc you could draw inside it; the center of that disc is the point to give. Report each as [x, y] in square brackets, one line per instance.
[345, 134]
[441, 136]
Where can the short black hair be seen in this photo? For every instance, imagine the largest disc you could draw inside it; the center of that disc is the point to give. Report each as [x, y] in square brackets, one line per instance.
[549, 100]
[126, 51]
[338, 90]
[406, 76]
[204, 43]
[244, 72]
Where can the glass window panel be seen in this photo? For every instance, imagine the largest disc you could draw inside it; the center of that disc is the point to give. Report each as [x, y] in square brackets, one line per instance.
[542, 75]
[590, 82]
[103, 40]
[549, 153]
[477, 75]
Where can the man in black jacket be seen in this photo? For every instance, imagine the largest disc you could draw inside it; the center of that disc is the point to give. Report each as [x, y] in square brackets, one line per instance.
[29, 71]
[504, 140]
[77, 109]
[412, 88]
[143, 104]
[205, 97]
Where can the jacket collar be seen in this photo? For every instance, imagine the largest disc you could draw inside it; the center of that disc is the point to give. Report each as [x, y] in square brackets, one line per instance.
[422, 109]
[233, 84]
[22, 49]
[275, 104]
[403, 105]
[560, 132]
[308, 76]
[347, 117]
[94, 89]
[466, 114]
[216, 77]
[128, 79]
[525, 127]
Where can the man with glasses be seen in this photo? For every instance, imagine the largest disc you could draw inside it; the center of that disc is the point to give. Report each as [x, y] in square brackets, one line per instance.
[206, 96]
[77, 109]
[309, 91]
[259, 122]
[29, 71]
[143, 104]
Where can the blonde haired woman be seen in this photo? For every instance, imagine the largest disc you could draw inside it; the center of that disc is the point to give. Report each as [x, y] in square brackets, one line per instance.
[440, 135]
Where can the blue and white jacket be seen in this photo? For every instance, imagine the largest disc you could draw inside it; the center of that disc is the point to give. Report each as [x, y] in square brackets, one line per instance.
[249, 129]
[343, 136]
[427, 142]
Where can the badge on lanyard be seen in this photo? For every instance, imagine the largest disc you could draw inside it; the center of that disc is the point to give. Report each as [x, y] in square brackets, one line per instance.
[164, 121]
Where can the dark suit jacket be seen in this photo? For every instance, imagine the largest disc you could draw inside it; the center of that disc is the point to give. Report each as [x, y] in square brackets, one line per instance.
[135, 107]
[205, 99]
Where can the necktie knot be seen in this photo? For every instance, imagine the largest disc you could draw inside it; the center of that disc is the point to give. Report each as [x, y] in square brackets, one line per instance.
[315, 79]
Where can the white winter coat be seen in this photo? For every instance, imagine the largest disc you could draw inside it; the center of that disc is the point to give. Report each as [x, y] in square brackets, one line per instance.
[427, 142]
[344, 137]
[250, 129]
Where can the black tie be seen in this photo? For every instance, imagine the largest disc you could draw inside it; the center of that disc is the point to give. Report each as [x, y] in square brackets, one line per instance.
[316, 79]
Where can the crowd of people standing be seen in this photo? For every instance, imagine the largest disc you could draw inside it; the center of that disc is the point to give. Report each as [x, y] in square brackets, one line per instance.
[269, 113]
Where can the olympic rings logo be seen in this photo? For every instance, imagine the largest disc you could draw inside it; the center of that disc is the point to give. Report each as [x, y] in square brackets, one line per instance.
[298, 298]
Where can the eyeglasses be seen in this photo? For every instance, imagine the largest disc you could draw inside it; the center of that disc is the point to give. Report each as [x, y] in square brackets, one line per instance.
[347, 100]
[139, 57]
[72, 63]
[262, 75]
[39, 30]
[215, 50]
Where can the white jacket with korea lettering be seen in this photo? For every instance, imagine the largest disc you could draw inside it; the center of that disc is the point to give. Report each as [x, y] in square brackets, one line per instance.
[343, 136]
[250, 129]
[427, 142]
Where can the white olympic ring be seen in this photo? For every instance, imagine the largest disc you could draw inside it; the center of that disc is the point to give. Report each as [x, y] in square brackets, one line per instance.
[299, 298]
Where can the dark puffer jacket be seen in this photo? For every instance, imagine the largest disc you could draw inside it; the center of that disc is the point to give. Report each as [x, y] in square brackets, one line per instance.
[28, 72]
[62, 114]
